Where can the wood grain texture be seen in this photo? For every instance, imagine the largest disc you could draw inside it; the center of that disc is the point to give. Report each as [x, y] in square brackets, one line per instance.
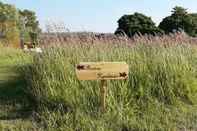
[102, 70]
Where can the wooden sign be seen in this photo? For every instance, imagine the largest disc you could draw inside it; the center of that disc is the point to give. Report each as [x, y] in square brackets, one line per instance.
[102, 70]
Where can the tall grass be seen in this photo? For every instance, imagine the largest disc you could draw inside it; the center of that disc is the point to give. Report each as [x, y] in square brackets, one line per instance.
[160, 93]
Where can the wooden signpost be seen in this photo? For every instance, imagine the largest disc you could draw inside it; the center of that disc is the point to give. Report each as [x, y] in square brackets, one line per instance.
[102, 71]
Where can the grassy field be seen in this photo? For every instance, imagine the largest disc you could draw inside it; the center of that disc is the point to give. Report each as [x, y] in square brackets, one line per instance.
[15, 105]
[41, 91]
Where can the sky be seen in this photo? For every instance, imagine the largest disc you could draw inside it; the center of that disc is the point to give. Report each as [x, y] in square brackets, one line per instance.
[98, 15]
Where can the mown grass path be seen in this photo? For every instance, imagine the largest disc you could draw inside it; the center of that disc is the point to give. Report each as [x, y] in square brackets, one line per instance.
[15, 107]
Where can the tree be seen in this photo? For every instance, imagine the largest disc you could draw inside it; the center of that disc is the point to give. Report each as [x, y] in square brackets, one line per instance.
[136, 24]
[16, 25]
[9, 32]
[29, 25]
[194, 18]
[179, 20]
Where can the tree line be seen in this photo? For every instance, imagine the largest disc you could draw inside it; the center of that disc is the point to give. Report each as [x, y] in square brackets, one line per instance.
[138, 23]
[17, 25]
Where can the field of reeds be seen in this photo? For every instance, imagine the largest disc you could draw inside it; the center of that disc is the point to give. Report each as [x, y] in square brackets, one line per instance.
[160, 93]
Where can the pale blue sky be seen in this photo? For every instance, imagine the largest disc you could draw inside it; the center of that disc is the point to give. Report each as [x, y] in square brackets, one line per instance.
[98, 15]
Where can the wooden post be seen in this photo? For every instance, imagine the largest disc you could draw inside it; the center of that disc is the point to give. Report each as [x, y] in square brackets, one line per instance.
[102, 71]
[103, 90]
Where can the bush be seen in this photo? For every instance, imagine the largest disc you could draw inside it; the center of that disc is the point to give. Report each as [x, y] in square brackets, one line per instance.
[179, 20]
[136, 24]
